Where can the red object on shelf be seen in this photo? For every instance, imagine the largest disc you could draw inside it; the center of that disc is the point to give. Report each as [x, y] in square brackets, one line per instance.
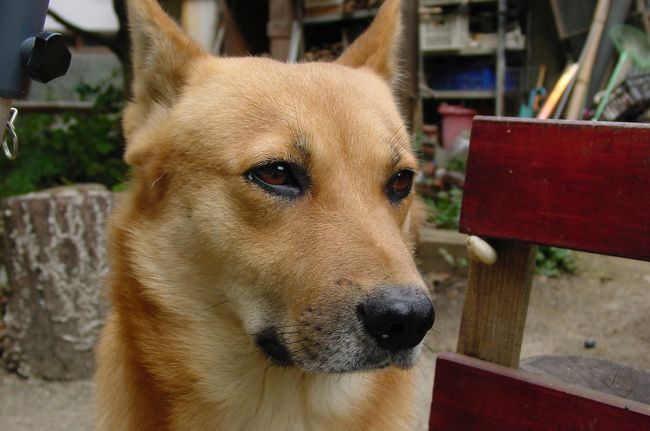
[455, 120]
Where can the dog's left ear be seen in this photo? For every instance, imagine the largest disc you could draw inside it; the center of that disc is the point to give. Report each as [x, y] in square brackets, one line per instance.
[377, 48]
[162, 59]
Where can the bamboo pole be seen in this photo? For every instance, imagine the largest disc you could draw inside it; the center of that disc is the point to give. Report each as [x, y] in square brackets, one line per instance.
[501, 60]
[587, 59]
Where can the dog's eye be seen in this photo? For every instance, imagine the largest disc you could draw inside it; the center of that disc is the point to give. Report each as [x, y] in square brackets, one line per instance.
[276, 174]
[399, 186]
[284, 179]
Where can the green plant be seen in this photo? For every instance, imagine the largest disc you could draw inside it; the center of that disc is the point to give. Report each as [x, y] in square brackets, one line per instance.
[455, 262]
[445, 208]
[552, 261]
[458, 164]
[67, 148]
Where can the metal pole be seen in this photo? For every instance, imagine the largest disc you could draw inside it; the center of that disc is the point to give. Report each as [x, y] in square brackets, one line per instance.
[501, 60]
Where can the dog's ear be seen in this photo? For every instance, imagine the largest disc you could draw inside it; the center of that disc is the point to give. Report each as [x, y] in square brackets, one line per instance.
[378, 47]
[162, 57]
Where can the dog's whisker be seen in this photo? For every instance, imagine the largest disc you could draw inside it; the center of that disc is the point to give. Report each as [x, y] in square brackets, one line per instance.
[218, 304]
[297, 351]
[292, 326]
[287, 334]
[297, 341]
[429, 347]
[252, 352]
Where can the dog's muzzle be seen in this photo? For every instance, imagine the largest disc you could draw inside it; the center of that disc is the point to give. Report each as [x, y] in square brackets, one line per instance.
[397, 317]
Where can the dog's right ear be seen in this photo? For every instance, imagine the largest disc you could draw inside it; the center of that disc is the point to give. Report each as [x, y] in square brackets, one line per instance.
[162, 57]
[377, 48]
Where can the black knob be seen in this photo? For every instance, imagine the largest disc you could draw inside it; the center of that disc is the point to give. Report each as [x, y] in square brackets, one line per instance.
[46, 56]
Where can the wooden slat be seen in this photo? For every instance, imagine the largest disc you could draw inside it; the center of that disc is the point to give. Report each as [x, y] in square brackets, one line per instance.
[474, 395]
[281, 17]
[580, 185]
[496, 304]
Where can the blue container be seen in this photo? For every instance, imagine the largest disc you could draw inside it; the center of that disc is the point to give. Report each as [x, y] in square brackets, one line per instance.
[471, 77]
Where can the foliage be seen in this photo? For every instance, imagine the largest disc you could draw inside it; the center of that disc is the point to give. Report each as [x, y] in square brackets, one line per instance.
[66, 148]
[458, 164]
[445, 208]
[452, 261]
[552, 261]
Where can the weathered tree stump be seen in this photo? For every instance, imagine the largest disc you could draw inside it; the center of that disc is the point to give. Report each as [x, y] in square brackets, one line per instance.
[3, 283]
[55, 252]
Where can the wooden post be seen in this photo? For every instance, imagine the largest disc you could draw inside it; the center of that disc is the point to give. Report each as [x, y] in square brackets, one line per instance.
[234, 43]
[55, 247]
[409, 93]
[282, 13]
[496, 304]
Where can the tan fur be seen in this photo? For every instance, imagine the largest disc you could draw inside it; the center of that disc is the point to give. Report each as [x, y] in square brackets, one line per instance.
[201, 258]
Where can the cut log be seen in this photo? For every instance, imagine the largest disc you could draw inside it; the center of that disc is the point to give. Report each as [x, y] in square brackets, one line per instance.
[55, 247]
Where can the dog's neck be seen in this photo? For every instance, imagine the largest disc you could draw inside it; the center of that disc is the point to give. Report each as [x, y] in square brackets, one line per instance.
[272, 398]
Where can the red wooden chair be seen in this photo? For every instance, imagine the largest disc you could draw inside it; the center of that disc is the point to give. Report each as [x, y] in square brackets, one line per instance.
[577, 185]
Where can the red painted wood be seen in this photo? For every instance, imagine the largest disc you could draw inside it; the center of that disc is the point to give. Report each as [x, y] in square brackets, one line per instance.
[470, 394]
[580, 185]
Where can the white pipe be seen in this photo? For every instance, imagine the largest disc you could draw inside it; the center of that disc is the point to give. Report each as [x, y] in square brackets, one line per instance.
[199, 19]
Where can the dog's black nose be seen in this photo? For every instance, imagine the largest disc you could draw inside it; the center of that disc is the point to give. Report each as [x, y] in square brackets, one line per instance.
[397, 317]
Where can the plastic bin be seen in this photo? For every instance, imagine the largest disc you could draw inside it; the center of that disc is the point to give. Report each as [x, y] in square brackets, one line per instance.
[443, 32]
[472, 77]
[316, 4]
[463, 76]
[455, 120]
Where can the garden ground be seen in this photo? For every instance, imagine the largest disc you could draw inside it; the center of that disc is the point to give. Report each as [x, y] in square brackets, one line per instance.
[609, 303]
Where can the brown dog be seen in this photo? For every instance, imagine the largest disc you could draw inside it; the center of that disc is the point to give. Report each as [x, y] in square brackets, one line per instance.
[261, 269]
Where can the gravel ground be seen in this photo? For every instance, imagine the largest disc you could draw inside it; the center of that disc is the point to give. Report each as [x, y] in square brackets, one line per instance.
[608, 303]
[45, 406]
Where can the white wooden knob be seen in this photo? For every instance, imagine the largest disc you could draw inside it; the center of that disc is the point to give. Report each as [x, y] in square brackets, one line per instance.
[479, 250]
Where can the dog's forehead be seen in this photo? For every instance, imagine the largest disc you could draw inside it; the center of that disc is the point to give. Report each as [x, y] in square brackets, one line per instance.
[272, 105]
[264, 84]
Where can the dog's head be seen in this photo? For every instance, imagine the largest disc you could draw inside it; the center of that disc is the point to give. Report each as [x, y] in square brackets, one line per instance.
[279, 194]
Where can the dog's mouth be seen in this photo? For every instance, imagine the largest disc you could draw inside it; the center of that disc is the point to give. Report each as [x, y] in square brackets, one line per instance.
[384, 328]
[339, 357]
[269, 341]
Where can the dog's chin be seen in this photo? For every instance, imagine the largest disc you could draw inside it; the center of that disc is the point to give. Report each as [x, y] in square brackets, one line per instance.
[348, 360]
[355, 361]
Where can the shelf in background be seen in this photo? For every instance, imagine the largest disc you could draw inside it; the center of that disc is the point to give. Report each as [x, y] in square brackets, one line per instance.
[428, 93]
[452, 2]
[469, 52]
[339, 17]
